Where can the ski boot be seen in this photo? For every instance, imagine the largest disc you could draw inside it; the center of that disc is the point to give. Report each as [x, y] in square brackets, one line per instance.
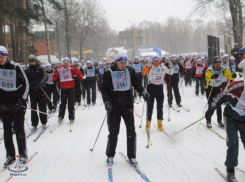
[43, 127]
[221, 125]
[109, 161]
[179, 105]
[231, 177]
[13, 130]
[50, 111]
[79, 103]
[169, 105]
[23, 160]
[9, 161]
[148, 123]
[209, 125]
[72, 121]
[159, 124]
[60, 120]
[93, 103]
[54, 110]
[34, 128]
[133, 161]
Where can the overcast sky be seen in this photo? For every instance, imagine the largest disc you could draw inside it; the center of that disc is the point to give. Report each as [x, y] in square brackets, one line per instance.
[119, 12]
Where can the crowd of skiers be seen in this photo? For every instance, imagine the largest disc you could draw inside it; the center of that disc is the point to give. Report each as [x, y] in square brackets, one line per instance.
[120, 83]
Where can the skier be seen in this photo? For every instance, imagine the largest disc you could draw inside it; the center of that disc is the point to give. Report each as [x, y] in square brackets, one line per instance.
[37, 77]
[130, 62]
[201, 68]
[232, 65]
[100, 75]
[90, 73]
[118, 100]
[138, 67]
[14, 89]
[66, 73]
[51, 88]
[234, 118]
[188, 70]
[155, 89]
[78, 90]
[214, 77]
[83, 82]
[172, 81]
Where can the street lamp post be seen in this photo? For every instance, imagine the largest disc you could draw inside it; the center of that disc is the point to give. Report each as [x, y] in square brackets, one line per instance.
[133, 37]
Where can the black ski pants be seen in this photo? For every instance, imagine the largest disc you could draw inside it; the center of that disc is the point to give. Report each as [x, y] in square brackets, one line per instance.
[91, 84]
[188, 77]
[17, 118]
[156, 92]
[174, 85]
[113, 121]
[52, 89]
[200, 82]
[67, 94]
[232, 127]
[78, 90]
[214, 92]
[84, 88]
[39, 98]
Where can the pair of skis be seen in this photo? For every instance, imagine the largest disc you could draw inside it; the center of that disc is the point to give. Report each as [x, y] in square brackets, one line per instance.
[39, 135]
[134, 166]
[224, 176]
[56, 126]
[178, 110]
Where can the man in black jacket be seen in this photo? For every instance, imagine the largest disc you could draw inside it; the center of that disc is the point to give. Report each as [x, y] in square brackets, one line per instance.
[235, 54]
[118, 99]
[14, 88]
[37, 77]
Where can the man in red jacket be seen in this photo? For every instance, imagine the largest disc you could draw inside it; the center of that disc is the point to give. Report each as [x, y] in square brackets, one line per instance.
[66, 74]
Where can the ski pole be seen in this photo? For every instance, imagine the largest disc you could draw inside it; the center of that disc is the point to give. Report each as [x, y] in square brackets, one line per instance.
[142, 114]
[48, 98]
[38, 111]
[189, 125]
[98, 134]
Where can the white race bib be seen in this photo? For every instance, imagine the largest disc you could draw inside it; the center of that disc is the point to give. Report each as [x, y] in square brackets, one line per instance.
[217, 82]
[65, 74]
[121, 80]
[50, 81]
[199, 70]
[101, 71]
[188, 64]
[8, 80]
[240, 107]
[157, 76]
[90, 72]
[176, 68]
[233, 68]
[137, 68]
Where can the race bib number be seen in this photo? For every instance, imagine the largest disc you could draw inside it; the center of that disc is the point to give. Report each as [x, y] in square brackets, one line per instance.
[50, 81]
[65, 74]
[121, 80]
[90, 72]
[233, 68]
[240, 107]
[101, 71]
[199, 70]
[137, 68]
[188, 64]
[157, 76]
[217, 82]
[8, 80]
[176, 68]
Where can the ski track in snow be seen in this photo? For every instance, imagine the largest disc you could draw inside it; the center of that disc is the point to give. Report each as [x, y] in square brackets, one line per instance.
[65, 156]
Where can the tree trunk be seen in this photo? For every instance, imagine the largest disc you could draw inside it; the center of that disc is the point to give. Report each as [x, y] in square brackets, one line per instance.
[46, 31]
[58, 40]
[236, 15]
[67, 29]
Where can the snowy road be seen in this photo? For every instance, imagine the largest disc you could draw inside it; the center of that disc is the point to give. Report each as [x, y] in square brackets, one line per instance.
[64, 156]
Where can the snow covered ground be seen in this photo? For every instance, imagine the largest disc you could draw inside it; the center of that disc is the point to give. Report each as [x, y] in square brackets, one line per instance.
[65, 156]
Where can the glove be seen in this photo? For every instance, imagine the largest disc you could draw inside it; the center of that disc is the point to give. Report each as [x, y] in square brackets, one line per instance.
[215, 76]
[19, 104]
[170, 64]
[108, 106]
[149, 64]
[55, 82]
[234, 75]
[240, 75]
[146, 95]
[41, 84]
[84, 76]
